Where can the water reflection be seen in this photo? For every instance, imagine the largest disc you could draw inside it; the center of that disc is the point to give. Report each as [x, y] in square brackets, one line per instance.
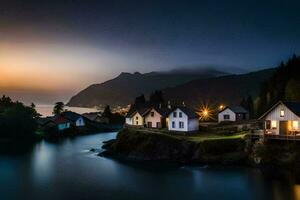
[67, 170]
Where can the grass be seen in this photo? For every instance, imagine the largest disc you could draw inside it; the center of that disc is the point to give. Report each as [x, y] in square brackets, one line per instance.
[197, 137]
[210, 136]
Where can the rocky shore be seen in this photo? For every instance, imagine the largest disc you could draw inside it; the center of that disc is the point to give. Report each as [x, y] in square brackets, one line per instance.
[139, 145]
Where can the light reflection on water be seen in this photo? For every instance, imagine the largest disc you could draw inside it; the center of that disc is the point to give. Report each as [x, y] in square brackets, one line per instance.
[67, 170]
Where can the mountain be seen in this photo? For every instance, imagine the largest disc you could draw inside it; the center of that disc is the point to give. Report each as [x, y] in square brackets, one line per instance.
[226, 89]
[123, 89]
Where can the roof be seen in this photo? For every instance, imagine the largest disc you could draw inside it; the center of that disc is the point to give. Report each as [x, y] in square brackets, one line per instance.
[60, 120]
[72, 116]
[293, 106]
[235, 109]
[191, 113]
[91, 116]
[141, 111]
[44, 120]
[163, 111]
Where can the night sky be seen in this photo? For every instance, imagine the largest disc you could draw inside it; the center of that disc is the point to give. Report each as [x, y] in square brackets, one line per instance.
[76, 43]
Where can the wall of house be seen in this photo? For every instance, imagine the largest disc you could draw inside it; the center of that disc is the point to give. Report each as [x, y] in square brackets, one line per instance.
[154, 119]
[128, 120]
[177, 119]
[137, 120]
[274, 115]
[63, 126]
[227, 111]
[193, 125]
[80, 122]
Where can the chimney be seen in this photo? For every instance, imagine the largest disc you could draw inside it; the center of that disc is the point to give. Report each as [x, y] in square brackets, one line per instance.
[169, 105]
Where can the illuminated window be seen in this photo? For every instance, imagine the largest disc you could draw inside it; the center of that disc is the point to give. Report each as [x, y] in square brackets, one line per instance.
[295, 125]
[273, 124]
[281, 113]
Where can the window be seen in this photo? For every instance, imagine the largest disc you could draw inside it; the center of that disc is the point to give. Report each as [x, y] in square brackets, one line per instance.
[137, 118]
[152, 114]
[281, 113]
[295, 125]
[268, 124]
[273, 124]
[226, 117]
[174, 114]
[137, 122]
[180, 114]
[181, 124]
[173, 124]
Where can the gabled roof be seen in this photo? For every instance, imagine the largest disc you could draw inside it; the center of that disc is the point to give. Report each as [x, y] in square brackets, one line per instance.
[72, 116]
[163, 111]
[293, 106]
[60, 120]
[44, 120]
[141, 111]
[91, 116]
[188, 111]
[235, 109]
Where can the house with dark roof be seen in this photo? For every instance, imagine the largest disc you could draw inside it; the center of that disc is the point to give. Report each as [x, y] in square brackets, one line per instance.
[183, 119]
[76, 119]
[233, 114]
[136, 116]
[156, 117]
[62, 122]
[282, 119]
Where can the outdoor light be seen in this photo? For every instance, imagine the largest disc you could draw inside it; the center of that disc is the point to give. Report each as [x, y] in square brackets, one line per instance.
[221, 107]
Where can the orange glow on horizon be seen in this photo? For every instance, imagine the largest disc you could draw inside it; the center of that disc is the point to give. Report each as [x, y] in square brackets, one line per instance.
[49, 67]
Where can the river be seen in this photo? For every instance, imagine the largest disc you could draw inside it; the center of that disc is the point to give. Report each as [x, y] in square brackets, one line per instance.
[68, 170]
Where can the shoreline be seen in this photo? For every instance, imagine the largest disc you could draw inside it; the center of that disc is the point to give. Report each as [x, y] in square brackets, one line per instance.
[138, 146]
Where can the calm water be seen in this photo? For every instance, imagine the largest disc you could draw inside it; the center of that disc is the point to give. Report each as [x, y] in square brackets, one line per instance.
[67, 170]
[46, 110]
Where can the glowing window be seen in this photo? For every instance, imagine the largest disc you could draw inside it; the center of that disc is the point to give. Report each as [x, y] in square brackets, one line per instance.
[273, 124]
[281, 113]
[295, 124]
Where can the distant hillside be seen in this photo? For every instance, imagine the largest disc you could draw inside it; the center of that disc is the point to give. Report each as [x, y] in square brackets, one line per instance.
[123, 89]
[227, 89]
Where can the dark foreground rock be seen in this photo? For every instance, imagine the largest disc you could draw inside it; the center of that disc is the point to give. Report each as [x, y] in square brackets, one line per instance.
[139, 145]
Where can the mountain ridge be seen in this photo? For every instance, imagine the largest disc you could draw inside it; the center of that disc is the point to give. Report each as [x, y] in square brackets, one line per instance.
[122, 89]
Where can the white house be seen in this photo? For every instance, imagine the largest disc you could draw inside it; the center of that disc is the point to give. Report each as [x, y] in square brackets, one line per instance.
[136, 117]
[282, 119]
[233, 114]
[76, 119]
[156, 117]
[183, 119]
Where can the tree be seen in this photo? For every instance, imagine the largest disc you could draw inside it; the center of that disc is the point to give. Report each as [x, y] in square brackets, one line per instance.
[280, 86]
[156, 97]
[58, 108]
[107, 111]
[17, 121]
[140, 100]
[292, 90]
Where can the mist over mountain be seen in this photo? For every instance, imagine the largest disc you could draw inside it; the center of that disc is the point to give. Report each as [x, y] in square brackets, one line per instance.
[226, 89]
